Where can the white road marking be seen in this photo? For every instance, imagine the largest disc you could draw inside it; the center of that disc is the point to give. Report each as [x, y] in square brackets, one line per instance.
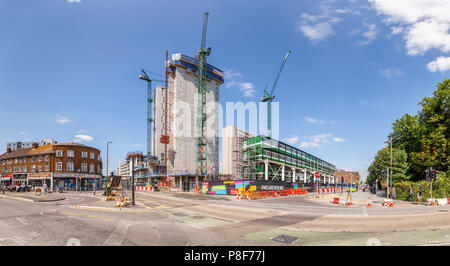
[365, 211]
[116, 237]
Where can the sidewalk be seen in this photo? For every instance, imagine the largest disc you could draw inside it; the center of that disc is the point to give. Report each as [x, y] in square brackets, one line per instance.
[31, 196]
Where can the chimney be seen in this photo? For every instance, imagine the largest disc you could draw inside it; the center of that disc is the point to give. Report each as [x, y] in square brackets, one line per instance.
[8, 150]
[35, 146]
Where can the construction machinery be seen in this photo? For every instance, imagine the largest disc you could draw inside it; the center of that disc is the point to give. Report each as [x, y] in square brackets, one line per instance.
[150, 119]
[268, 96]
[201, 140]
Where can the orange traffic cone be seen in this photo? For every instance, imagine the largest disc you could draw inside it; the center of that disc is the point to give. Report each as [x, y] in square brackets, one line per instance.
[369, 204]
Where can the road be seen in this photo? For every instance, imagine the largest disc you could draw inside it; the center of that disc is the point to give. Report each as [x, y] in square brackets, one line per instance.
[187, 219]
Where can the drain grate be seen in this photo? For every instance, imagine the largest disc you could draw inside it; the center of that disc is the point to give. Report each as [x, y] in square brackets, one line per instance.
[442, 210]
[284, 239]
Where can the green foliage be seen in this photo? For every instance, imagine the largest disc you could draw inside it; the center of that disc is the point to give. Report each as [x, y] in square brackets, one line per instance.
[441, 188]
[383, 160]
[424, 137]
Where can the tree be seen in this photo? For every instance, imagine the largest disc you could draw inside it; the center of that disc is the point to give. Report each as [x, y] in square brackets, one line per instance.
[383, 161]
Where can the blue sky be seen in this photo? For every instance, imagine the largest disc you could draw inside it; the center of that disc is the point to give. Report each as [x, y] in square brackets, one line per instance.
[69, 68]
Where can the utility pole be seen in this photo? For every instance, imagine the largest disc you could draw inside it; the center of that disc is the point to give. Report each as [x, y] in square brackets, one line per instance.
[390, 169]
[132, 180]
[107, 157]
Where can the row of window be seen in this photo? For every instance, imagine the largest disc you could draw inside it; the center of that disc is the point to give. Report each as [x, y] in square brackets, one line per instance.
[39, 158]
[24, 169]
[84, 167]
[59, 167]
[84, 154]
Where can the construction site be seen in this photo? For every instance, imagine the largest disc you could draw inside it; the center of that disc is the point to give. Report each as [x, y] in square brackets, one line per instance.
[183, 140]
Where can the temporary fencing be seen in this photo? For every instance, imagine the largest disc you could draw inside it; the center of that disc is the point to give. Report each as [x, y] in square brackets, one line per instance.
[256, 195]
[142, 188]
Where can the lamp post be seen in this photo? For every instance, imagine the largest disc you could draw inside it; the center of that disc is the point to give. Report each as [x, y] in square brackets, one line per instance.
[107, 157]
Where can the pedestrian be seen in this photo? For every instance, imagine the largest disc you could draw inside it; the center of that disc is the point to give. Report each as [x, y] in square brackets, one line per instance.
[411, 195]
[44, 187]
[419, 195]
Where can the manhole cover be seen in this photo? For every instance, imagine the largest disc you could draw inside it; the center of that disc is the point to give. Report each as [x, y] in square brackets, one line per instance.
[443, 210]
[284, 239]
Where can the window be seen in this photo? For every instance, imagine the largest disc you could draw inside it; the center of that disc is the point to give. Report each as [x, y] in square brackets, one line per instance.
[70, 153]
[39, 168]
[59, 153]
[39, 158]
[47, 158]
[25, 159]
[92, 168]
[84, 167]
[47, 168]
[25, 169]
[17, 160]
[83, 154]
[59, 166]
[33, 168]
[92, 156]
[70, 166]
[20, 169]
[99, 170]
[98, 157]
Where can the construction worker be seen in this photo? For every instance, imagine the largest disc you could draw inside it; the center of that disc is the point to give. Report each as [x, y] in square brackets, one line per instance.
[108, 189]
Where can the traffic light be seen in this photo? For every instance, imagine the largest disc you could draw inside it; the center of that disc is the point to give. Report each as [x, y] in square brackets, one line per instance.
[433, 174]
[427, 175]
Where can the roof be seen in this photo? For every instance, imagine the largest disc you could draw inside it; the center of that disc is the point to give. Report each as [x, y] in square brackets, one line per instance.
[15, 153]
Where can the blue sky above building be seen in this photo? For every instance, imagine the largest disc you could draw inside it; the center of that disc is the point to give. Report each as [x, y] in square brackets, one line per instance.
[69, 69]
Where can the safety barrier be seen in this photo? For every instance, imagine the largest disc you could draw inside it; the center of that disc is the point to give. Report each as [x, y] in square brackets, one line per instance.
[388, 202]
[442, 202]
[142, 188]
[255, 195]
[339, 201]
[330, 190]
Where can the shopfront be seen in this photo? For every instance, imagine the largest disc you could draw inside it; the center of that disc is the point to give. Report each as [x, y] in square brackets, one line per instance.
[76, 182]
[19, 179]
[38, 180]
[6, 180]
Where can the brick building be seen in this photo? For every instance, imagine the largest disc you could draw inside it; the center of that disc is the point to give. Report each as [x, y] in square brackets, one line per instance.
[346, 177]
[64, 165]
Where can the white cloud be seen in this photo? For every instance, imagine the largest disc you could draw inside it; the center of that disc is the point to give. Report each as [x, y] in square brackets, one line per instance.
[318, 31]
[80, 138]
[370, 34]
[319, 140]
[313, 120]
[62, 119]
[424, 24]
[337, 139]
[291, 140]
[441, 64]
[248, 88]
[229, 74]
[391, 72]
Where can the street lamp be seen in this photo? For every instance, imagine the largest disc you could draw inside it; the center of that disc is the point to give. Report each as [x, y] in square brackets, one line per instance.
[107, 157]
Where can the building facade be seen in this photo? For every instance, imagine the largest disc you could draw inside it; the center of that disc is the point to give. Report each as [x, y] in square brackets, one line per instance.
[23, 145]
[66, 166]
[232, 151]
[269, 159]
[346, 177]
[182, 114]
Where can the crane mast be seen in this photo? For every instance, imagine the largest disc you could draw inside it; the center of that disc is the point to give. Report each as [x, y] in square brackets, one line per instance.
[201, 104]
[268, 96]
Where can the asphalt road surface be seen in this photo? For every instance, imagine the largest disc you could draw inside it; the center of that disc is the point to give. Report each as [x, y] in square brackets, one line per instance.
[188, 219]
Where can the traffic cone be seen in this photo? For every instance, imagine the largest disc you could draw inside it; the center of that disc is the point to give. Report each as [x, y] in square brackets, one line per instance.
[369, 204]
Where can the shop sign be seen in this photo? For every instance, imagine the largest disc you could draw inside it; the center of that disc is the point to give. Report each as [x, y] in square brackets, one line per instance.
[71, 175]
[38, 176]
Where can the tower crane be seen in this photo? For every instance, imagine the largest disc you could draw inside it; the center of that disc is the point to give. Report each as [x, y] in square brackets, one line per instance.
[150, 120]
[268, 96]
[203, 53]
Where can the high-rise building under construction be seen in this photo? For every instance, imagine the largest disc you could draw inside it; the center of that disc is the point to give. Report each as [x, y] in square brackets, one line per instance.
[183, 117]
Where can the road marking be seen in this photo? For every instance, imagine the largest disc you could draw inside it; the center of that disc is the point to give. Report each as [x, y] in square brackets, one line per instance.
[116, 237]
[21, 221]
[365, 211]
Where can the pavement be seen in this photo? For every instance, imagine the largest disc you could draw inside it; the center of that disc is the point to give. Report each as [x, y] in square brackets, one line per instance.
[190, 219]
